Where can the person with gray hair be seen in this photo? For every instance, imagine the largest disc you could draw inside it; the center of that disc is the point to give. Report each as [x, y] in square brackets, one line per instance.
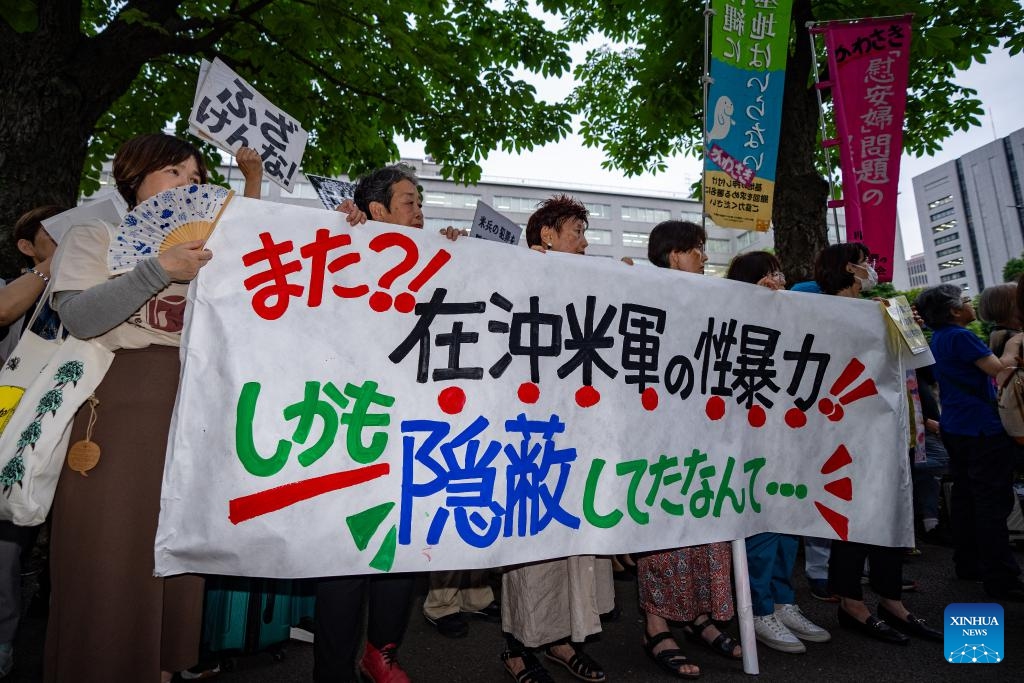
[392, 194]
[981, 454]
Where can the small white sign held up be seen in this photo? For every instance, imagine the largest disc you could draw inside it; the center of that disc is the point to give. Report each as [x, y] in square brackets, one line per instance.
[231, 114]
[488, 224]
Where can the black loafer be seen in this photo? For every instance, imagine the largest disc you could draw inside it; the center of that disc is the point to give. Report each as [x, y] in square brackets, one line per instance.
[912, 626]
[450, 625]
[491, 613]
[873, 627]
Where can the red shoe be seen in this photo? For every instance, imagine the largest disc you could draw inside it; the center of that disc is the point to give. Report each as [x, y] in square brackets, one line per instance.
[382, 665]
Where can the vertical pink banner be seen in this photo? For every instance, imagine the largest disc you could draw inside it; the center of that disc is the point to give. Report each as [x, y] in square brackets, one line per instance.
[869, 62]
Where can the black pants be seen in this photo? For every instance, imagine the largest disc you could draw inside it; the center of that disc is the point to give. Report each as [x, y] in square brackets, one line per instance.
[982, 497]
[338, 620]
[846, 563]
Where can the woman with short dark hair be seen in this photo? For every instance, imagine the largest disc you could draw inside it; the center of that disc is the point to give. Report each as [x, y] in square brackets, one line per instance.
[778, 621]
[845, 269]
[692, 585]
[139, 627]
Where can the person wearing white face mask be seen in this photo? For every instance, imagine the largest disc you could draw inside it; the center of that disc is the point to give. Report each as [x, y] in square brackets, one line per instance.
[844, 270]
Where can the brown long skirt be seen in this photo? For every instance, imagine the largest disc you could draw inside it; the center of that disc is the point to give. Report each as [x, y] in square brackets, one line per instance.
[110, 618]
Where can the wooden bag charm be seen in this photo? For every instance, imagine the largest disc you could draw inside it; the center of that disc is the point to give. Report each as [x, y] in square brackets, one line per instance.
[84, 455]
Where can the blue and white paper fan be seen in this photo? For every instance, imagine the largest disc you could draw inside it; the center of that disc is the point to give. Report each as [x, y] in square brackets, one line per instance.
[174, 216]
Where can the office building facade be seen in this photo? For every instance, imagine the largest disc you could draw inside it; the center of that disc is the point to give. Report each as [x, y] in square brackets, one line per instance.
[971, 214]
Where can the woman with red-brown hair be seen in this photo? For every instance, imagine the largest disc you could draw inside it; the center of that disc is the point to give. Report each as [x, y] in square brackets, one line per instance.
[555, 604]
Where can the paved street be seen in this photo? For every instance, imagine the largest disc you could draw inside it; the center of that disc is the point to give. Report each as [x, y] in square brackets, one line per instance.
[430, 658]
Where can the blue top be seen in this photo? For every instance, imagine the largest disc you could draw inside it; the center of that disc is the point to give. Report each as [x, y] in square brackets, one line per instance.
[807, 286]
[968, 394]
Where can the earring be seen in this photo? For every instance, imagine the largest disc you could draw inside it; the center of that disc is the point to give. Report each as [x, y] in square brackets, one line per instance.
[549, 245]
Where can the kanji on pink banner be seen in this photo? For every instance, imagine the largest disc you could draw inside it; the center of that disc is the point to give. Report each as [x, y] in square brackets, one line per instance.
[868, 64]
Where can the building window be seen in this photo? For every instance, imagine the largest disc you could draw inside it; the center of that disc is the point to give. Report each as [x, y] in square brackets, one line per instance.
[452, 200]
[717, 246]
[745, 239]
[951, 263]
[599, 210]
[603, 237]
[941, 214]
[946, 252]
[442, 223]
[953, 276]
[939, 202]
[936, 183]
[942, 227]
[516, 204]
[947, 238]
[635, 239]
[639, 213]
[692, 216]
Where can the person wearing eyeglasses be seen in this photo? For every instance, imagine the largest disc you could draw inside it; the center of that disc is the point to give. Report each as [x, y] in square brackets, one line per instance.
[981, 454]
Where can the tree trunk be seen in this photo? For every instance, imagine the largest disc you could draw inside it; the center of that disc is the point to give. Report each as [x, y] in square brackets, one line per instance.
[801, 192]
[43, 142]
[57, 84]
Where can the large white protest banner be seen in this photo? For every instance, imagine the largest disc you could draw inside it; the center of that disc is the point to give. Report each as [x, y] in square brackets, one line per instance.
[231, 114]
[381, 399]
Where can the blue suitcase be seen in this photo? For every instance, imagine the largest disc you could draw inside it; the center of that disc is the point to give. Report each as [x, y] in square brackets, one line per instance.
[247, 615]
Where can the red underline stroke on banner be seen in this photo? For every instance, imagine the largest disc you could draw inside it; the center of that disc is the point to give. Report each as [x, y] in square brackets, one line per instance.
[255, 504]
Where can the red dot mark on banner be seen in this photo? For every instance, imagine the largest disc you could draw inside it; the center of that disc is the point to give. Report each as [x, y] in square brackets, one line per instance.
[405, 302]
[837, 413]
[715, 408]
[756, 416]
[825, 406]
[380, 301]
[796, 418]
[452, 400]
[587, 397]
[649, 399]
[529, 392]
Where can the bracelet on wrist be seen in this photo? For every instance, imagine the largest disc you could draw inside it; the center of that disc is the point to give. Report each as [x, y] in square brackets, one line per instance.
[46, 278]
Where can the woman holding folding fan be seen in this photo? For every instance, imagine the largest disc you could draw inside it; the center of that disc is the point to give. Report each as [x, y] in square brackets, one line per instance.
[110, 618]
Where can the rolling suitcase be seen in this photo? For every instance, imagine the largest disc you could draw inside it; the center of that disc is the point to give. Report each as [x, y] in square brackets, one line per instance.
[244, 615]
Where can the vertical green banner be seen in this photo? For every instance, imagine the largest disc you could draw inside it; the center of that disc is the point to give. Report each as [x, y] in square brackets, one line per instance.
[749, 45]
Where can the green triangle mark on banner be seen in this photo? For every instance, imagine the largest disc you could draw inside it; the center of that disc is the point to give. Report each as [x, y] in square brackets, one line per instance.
[385, 557]
[364, 524]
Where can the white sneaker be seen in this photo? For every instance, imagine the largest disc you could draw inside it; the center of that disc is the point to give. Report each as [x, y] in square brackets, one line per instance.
[799, 625]
[770, 631]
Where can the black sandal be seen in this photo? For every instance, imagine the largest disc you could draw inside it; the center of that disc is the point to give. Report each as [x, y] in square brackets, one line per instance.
[533, 671]
[669, 659]
[723, 644]
[579, 665]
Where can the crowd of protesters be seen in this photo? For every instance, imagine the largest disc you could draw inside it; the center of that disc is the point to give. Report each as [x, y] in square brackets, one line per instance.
[110, 619]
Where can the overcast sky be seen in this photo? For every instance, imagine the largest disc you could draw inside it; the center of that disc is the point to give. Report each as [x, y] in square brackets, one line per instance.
[997, 82]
